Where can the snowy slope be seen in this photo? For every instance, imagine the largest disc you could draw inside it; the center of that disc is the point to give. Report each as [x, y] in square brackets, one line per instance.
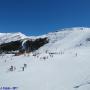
[8, 37]
[68, 39]
[62, 64]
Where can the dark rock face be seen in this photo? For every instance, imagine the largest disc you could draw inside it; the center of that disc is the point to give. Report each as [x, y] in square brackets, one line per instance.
[11, 46]
[38, 43]
[17, 45]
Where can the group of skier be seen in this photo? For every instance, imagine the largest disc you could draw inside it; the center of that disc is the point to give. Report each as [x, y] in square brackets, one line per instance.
[13, 68]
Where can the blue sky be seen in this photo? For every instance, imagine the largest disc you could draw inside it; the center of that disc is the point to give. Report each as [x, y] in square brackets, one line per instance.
[36, 17]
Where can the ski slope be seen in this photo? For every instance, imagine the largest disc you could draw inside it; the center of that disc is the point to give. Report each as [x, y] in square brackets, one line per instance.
[62, 64]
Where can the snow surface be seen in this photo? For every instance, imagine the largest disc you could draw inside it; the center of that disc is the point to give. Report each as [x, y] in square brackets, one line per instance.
[8, 37]
[62, 64]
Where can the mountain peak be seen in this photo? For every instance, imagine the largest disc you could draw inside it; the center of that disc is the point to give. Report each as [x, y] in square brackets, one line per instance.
[8, 37]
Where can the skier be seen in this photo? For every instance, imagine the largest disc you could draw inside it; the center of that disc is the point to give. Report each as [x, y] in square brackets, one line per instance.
[25, 65]
[76, 54]
[22, 68]
[11, 68]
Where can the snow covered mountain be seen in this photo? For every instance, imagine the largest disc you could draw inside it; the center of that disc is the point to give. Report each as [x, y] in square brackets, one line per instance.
[61, 64]
[8, 37]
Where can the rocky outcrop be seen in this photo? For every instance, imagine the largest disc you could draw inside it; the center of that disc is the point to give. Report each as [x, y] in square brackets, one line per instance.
[14, 46]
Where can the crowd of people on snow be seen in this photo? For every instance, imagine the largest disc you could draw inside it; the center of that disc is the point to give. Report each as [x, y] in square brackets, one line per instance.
[46, 55]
